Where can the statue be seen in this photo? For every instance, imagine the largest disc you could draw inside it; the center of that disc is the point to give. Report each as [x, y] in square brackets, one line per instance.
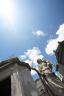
[44, 67]
[54, 81]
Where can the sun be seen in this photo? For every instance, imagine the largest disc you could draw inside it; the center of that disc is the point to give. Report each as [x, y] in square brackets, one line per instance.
[7, 10]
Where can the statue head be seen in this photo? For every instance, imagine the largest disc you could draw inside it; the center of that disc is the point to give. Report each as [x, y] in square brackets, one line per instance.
[39, 61]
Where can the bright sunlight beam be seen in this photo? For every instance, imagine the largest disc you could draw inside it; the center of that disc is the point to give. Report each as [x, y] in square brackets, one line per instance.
[7, 11]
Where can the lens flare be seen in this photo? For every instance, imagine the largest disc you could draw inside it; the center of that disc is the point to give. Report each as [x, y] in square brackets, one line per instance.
[7, 11]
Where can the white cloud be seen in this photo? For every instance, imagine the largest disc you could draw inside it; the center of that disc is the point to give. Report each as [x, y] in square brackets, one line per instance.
[53, 43]
[34, 54]
[29, 62]
[38, 33]
[31, 56]
[60, 31]
[22, 57]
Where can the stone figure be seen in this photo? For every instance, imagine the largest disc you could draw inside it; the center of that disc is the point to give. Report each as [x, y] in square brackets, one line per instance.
[54, 83]
[44, 66]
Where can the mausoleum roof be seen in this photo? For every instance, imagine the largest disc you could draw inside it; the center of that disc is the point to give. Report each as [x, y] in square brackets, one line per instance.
[14, 60]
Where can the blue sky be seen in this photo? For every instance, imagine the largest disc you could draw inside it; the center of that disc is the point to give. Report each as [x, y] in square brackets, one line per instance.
[29, 24]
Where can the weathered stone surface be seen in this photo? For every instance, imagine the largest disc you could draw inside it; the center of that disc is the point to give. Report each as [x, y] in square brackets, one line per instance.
[53, 85]
[22, 83]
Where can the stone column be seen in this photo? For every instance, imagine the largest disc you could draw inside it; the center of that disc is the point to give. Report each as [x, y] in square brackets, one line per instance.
[16, 88]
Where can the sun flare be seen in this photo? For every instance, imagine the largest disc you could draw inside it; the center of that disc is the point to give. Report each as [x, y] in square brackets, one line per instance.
[7, 10]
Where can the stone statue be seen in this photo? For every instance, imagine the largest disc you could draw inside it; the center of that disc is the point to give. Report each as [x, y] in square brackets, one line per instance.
[44, 67]
[54, 83]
